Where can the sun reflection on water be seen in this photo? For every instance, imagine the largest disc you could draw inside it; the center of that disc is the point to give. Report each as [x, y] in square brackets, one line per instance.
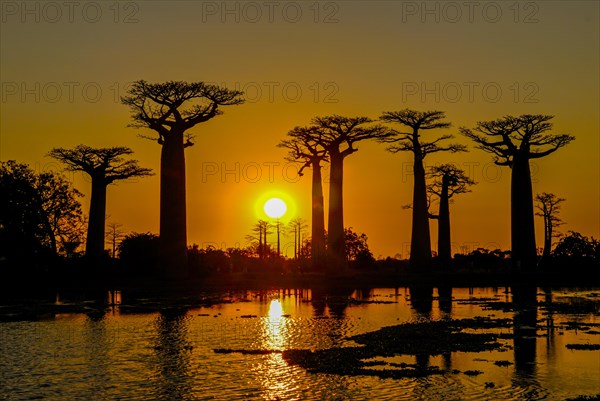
[275, 327]
[275, 309]
[276, 378]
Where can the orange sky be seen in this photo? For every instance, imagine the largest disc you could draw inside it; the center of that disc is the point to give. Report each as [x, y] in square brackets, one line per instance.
[62, 71]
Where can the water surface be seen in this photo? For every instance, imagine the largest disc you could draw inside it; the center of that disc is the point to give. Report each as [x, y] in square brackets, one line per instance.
[122, 353]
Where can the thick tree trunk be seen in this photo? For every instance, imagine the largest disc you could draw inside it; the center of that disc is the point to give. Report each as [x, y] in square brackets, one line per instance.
[444, 244]
[420, 244]
[336, 255]
[94, 246]
[523, 246]
[173, 235]
[318, 218]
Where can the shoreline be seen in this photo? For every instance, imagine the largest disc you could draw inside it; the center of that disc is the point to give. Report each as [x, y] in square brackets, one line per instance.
[352, 279]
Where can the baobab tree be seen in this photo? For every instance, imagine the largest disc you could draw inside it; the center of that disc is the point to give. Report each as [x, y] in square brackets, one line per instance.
[548, 205]
[114, 236]
[104, 166]
[514, 141]
[171, 109]
[304, 148]
[412, 141]
[297, 227]
[448, 180]
[263, 228]
[338, 136]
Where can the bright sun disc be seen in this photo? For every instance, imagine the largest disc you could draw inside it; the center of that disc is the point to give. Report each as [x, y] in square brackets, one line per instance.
[275, 208]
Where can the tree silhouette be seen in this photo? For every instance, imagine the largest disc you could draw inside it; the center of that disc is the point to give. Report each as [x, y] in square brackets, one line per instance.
[338, 136]
[139, 253]
[104, 166]
[514, 141]
[171, 109]
[39, 214]
[304, 148]
[548, 205]
[114, 236]
[262, 228]
[356, 247]
[448, 180]
[297, 227]
[575, 245]
[412, 141]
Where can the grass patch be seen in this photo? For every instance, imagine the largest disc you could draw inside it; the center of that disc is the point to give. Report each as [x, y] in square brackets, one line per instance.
[432, 338]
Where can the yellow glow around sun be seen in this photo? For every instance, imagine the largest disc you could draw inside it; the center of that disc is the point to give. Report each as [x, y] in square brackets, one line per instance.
[261, 200]
[275, 208]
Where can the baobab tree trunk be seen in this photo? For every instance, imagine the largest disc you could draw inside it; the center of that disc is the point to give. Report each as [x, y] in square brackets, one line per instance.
[173, 235]
[523, 246]
[94, 246]
[420, 243]
[444, 244]
[336, 255]
[318, 218]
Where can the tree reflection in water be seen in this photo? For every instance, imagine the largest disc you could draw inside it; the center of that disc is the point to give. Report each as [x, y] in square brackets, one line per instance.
[524, 300]
[421, 301]
[97, 340]
[173, 352]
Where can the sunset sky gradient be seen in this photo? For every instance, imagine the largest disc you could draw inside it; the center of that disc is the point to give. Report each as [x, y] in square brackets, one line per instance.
[62, 76]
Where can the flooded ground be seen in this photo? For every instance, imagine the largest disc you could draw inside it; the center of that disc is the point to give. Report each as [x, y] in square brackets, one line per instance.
[130, 350]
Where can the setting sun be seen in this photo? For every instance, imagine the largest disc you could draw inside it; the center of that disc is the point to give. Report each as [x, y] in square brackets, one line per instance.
[275, 208]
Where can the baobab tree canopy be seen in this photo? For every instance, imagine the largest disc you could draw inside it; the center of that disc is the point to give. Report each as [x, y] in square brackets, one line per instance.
[413, 141]
[304, 147]
[331, 132]
[105, 163]
[456, 180]
[524, 136]
[176, 106]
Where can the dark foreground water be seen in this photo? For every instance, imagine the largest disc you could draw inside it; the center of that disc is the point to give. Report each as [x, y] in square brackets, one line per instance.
[126, 353]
